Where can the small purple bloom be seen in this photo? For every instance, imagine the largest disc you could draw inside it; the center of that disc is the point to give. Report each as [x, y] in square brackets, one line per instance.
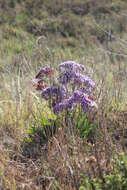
[87, 90]
[86, 102]
[66, 77]
[79, 79]
[67, 104]
[77, 95]
[82, 79]
[80, 67]
[70, 103]
[59, 107]
[44, 71]
[58, 91]
[67, 65]
[72, 66]
[45, 93]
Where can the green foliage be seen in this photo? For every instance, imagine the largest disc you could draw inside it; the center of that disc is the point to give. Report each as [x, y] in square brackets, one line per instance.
[121, 163]
[42, 132]
[85, 128]
[82, 188]
[116, 180]
[67, 24]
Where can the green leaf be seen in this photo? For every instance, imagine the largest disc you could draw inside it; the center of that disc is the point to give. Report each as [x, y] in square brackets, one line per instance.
[81, 188]
[31, 130]
[44, 121]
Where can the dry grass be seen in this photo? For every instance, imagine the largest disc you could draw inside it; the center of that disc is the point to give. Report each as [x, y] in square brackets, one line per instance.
[60, 163]
[66, 159]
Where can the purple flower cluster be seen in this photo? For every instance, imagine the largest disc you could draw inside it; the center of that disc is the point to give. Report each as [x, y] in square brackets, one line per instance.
[57, 91]
[66, 77]
[83, 79]
[67, 104]
[72, 66]
[69, 69]
[66, 97]
[80, 97]
[72, 73]
[77, 97]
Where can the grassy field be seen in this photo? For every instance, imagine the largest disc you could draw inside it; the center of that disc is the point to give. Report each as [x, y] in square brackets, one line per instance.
[39, 150]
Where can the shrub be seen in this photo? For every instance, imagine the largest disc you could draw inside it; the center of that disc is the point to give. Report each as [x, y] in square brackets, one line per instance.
[69, 95]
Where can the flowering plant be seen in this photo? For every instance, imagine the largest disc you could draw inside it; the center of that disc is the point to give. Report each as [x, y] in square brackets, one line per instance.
[73, 87]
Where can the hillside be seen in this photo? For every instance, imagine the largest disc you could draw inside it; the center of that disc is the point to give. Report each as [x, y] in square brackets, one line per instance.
[70, 24]
[75, 150]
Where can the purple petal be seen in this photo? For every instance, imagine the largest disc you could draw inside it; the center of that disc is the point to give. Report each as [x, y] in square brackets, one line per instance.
[82, 79]
[59, 108]
[72, 65]
[66, 77]
[58, 91]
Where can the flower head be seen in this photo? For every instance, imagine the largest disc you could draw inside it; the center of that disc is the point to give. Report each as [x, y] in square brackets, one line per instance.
[67, 104]
[87, 102]
[87, 90]
[72, 66]
[63, 96]
[67, 65]
[44, 71]
[59, 107]
[66, 77]
[83, 79]
[57, 91]
[46, 92]
[77, 95]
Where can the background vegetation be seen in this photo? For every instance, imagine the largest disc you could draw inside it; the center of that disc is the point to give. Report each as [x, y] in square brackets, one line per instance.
[36, 153]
